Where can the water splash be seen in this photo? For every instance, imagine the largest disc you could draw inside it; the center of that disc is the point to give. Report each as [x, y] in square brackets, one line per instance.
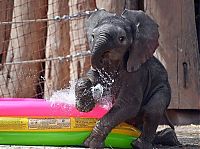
[104, 101]
[105, 77]
[67, 96]
[97, 92]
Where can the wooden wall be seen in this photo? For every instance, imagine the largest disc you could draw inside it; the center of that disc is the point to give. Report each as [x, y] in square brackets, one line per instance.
[178, 49]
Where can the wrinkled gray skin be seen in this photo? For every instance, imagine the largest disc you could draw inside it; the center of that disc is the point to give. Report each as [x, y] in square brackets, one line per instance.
[122, 61]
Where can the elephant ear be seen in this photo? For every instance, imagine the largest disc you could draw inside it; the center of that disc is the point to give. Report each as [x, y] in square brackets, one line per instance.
[145, 38]
[93, 21]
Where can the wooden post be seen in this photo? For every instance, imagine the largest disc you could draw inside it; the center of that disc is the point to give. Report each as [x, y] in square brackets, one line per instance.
[178, 49]
[78, 38]
[6, 11]
[58, 44]
[116, 6]
[25, 44]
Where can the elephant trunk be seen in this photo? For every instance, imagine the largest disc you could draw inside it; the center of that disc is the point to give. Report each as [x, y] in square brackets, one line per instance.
[98, 51]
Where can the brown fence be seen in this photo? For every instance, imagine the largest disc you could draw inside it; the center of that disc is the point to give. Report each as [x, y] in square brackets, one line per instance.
[38, 38]
[43, 45]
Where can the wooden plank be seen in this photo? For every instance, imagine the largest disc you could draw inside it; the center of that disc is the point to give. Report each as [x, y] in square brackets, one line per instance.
[6, 11]
[58, 44]
[132, 4]
[116, 6]
[168, 44]
[189, 60]
[78, 39]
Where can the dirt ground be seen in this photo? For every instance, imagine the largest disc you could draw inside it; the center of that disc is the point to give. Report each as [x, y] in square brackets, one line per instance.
[188, 135]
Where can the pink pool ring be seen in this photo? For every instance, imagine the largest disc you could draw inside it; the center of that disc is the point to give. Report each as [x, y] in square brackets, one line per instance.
[28, 121]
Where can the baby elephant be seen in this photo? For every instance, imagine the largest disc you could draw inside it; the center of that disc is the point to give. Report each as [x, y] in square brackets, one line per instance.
[123, 63]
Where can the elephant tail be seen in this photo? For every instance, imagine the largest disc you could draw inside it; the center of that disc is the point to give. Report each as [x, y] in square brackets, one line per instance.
[168, 120]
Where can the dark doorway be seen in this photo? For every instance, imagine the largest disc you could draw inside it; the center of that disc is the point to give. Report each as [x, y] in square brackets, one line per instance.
[197, 18]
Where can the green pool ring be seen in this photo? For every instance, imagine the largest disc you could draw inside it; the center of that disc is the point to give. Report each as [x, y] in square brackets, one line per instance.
[61, 139]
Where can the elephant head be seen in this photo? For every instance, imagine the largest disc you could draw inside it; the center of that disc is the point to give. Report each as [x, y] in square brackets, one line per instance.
[130, 39]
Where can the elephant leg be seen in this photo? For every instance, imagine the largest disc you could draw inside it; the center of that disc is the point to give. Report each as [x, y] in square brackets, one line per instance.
[115, 116]
[153, 111]
[136, 121]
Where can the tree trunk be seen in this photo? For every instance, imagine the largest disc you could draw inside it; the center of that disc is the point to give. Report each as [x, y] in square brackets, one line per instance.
[178, 49]
[25, 44]
[78, 38]
[57, 73]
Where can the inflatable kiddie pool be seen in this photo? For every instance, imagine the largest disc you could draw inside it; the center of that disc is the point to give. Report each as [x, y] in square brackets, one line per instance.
[41, 122]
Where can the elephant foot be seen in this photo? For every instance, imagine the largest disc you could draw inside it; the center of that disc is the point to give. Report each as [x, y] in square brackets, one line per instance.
[96, 139]
[94, 142]
[166, 137]
[142, 144]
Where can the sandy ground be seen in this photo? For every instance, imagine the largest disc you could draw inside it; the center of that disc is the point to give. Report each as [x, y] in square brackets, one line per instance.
[188, 135]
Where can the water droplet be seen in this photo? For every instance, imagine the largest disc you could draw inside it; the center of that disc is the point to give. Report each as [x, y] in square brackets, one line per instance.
[97, 92]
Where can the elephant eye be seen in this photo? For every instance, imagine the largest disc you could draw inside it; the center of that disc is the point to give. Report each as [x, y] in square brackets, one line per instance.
[121, 38]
